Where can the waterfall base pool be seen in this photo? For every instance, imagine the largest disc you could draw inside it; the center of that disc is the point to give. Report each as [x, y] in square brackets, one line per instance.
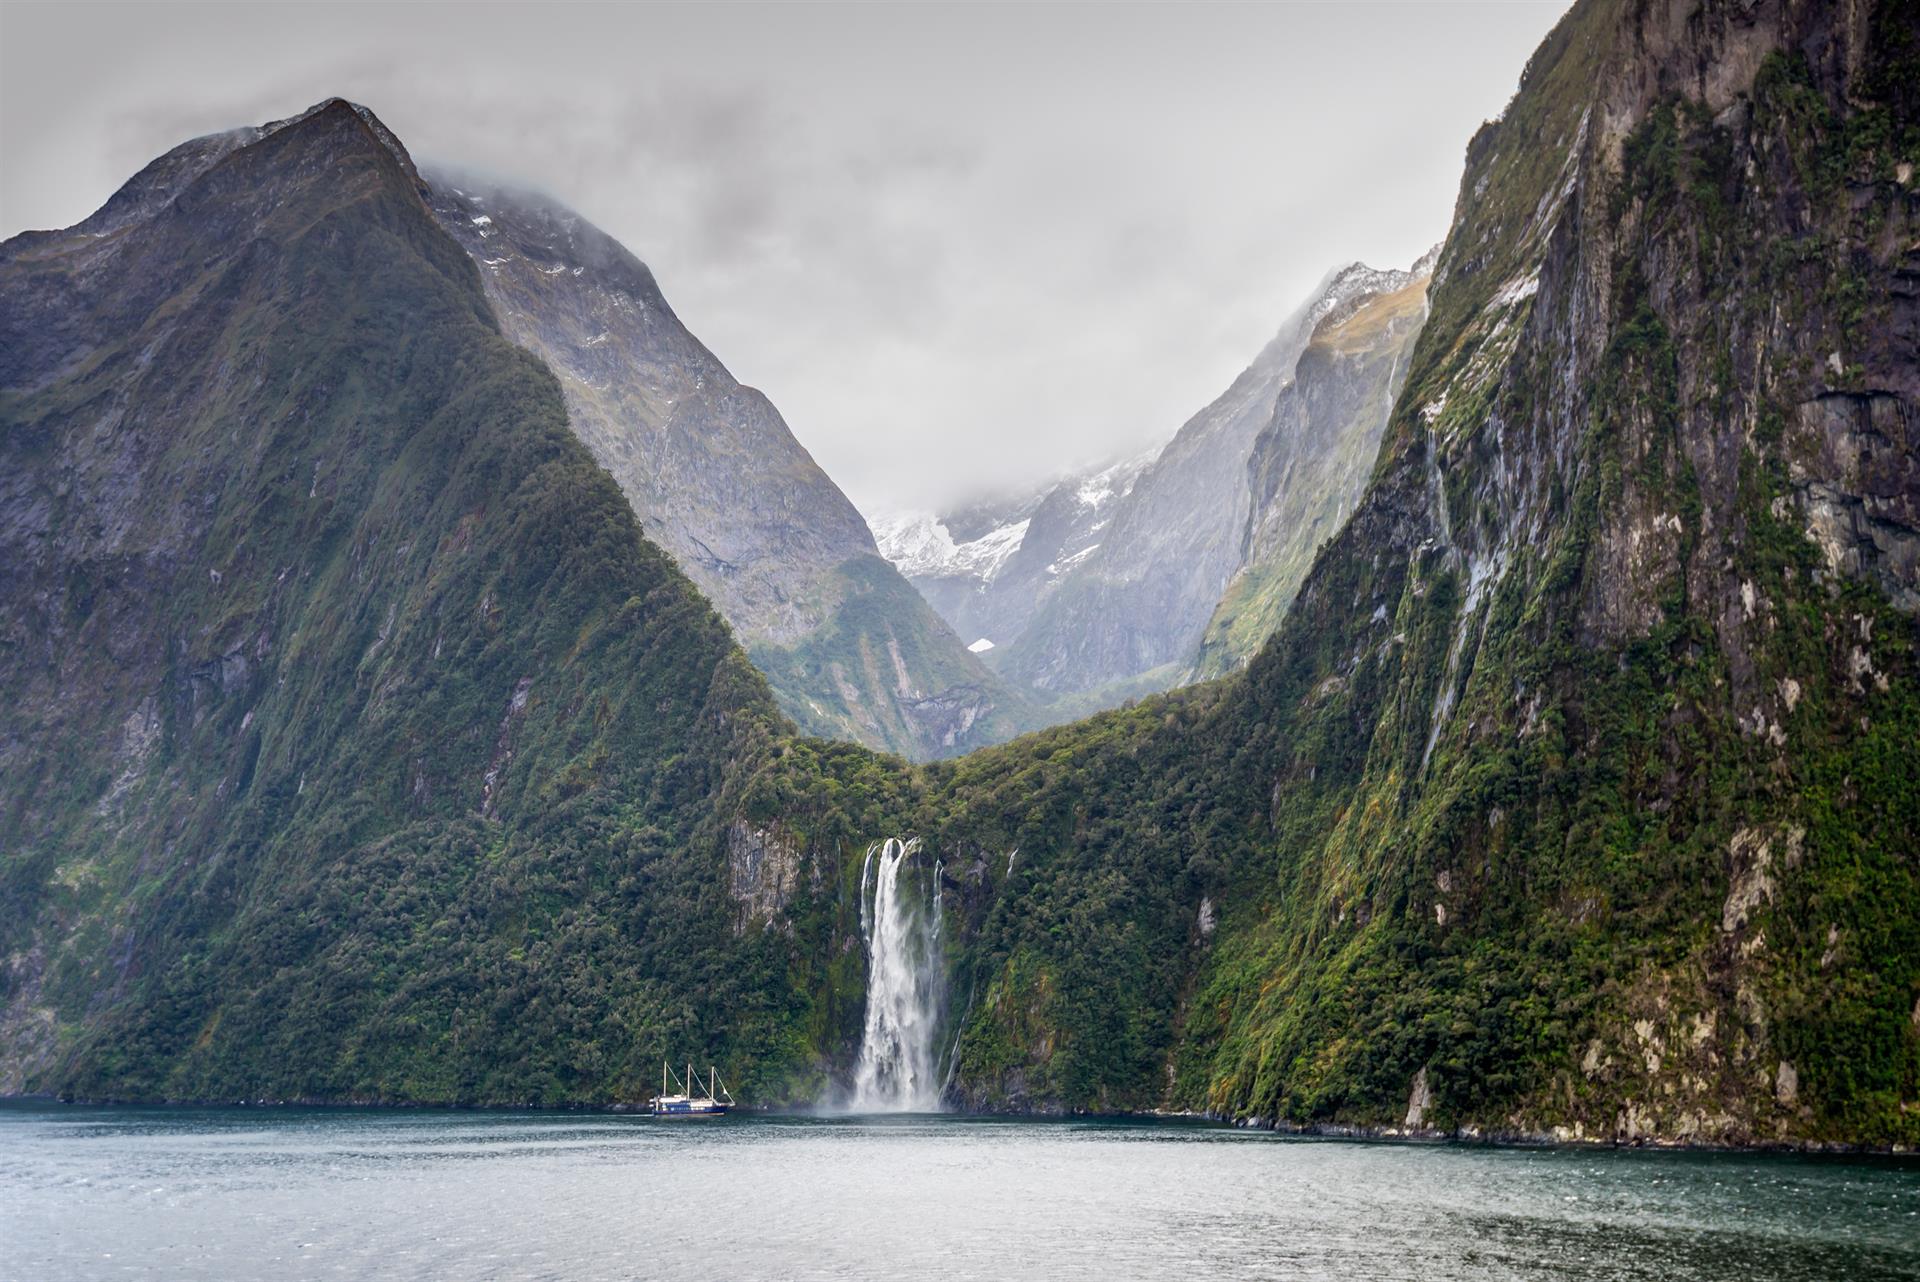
[296, 1194]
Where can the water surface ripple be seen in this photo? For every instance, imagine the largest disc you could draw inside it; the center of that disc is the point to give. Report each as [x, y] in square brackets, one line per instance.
[295, 1194]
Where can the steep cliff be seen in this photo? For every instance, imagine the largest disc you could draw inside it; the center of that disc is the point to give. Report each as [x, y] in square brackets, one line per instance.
[720, 482]
[356, 745]
[1311, 462]
[1136, 605]
[1575, 795]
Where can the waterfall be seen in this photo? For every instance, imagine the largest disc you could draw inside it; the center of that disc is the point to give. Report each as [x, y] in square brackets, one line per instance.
[1437, 486]
[895, 1071]
[1484, 571]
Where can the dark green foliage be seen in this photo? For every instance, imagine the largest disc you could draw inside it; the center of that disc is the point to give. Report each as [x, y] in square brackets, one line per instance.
[1594, 802]
[432, 807]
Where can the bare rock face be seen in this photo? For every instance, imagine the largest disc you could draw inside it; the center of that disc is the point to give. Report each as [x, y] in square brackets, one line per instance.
[1310, 464]
[1854, 461]
[1419, 1100]
[1179, 563]
[709, 465]
[763, 871]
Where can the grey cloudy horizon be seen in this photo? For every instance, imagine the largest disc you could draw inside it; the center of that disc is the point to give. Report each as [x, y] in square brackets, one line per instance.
[963, 248]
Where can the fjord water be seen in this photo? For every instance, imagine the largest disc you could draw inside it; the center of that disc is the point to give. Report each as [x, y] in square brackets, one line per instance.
[295, 1194]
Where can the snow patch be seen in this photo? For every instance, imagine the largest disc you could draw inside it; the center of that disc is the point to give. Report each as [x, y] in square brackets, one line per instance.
[1115, 481]
[1067, 563]
[919, 545]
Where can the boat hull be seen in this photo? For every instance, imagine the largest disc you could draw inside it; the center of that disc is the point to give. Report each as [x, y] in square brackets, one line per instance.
[678, 1109]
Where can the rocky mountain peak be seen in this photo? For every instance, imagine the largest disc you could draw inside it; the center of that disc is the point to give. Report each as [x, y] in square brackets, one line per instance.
[719, 481]
[1135, 609]
[166, 177]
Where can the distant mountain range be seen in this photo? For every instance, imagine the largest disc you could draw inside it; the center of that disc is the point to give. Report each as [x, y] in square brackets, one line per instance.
[1029, 610]
[1176, 564]
[987, 566]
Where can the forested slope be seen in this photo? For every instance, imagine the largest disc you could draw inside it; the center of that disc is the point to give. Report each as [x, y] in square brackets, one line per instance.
[357, 745]
[1576, 793]
[366, 750]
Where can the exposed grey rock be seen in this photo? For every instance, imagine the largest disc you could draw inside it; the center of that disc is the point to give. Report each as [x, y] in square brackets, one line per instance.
[708, 464]
[1854, 460]
[988, 566]
[1419, 1100]
[1309, 465]
[1142, 600]
[1101, 586]
[763, 871]
[720, 482]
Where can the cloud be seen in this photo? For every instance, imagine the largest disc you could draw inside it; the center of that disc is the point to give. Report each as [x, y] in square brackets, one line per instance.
[961, 247]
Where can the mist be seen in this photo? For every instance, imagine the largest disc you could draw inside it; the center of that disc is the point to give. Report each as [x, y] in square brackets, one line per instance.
[961, 248]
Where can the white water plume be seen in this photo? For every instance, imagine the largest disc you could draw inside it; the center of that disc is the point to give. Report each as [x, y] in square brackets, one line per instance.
[895, 1072]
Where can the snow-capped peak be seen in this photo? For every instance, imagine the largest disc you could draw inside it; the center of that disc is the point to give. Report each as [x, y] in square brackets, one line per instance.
[920, 546]
[1116, 480]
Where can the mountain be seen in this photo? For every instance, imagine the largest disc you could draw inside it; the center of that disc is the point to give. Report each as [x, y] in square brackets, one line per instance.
[986, 566]
[1574, 797]
[360, 747]
[1177, 564]
[356, 741]
[1310, 464]
[721, 483]
[1131, 613]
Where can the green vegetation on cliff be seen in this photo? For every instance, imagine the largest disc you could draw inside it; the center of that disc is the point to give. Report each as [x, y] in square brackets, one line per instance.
[1571, 796]
[1575, 794]
[360, 747]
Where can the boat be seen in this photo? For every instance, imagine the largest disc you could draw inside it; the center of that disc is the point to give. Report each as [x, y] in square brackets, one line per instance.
[686, 1103]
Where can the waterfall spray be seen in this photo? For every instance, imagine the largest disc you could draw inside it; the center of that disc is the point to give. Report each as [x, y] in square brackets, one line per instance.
[895, 1071]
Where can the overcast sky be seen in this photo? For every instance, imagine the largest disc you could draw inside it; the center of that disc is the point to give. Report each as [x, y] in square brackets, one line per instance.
[961, 248]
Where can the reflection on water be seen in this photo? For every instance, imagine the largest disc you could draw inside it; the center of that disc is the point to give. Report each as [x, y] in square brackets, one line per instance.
[206, 1193]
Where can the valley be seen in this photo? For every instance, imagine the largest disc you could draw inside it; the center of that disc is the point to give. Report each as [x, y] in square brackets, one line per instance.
[433, 679]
